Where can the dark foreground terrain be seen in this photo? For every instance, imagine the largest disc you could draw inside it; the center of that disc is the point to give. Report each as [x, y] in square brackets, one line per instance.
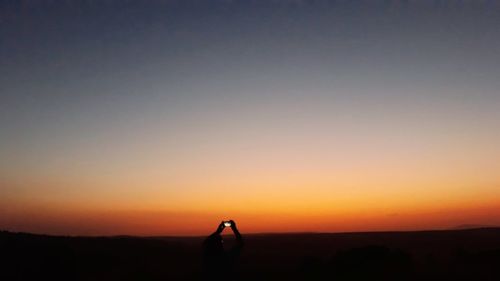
[426, 255]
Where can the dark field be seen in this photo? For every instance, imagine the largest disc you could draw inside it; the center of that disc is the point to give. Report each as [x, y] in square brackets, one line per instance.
[426, 255]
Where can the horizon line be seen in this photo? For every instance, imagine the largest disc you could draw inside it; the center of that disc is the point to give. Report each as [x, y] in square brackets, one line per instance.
[457, 228]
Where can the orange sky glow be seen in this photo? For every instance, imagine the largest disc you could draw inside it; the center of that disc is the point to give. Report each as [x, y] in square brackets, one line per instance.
[166, 117]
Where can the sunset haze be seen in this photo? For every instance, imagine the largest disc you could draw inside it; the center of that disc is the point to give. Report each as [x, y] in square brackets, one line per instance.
[166, 117]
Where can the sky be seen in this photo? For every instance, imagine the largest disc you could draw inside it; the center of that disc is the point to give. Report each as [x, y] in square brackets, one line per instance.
[165, 117]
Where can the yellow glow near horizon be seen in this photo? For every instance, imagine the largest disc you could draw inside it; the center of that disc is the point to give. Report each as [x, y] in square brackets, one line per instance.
[287, 117]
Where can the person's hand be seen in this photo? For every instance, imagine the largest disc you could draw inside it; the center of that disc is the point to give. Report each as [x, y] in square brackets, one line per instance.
[221, 227]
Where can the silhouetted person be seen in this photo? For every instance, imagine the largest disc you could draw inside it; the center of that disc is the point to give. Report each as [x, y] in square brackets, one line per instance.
[219, 262]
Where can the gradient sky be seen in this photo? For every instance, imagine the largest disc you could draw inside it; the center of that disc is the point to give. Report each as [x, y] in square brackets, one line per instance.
[165, 117]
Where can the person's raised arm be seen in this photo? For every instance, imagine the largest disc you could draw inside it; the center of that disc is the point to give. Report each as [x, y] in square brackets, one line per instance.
[214, 238]
[219, 229]
[237, 234]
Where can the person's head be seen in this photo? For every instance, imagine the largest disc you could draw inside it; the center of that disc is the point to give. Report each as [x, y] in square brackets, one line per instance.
[213, 245]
